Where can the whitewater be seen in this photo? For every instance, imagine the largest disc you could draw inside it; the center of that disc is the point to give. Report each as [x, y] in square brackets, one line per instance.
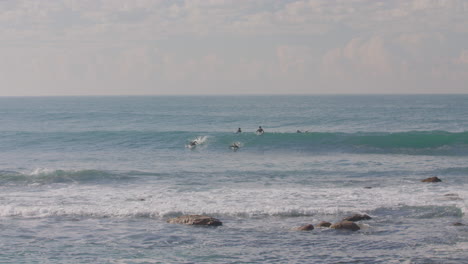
[94, 179]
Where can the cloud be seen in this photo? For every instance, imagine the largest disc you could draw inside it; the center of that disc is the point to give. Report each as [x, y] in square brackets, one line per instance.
[396, 64]
[369, 57]
[159, 18]
[145, 46]
[463, 58]
[292, 59]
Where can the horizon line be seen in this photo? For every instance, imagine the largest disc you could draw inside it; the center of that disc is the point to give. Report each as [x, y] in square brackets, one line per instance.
[227, 95]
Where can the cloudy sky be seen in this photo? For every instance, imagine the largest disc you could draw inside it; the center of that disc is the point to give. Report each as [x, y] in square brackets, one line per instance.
[118, 47]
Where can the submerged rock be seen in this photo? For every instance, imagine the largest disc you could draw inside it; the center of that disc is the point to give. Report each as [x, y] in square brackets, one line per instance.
[195, 220]
[432, 179]
[307, 227]
[324, 224]
[347, 225]
[357, 217]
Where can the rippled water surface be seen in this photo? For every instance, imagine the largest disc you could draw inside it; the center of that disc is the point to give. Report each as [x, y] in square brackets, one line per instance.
[94, 179]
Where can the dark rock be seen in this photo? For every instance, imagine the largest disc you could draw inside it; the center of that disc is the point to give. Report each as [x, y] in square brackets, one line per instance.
[452, 196]
[458, 224]
[432, 179]
[195, 220]
[323, 224]
[307, 227]
[347, 225]
[357, 217]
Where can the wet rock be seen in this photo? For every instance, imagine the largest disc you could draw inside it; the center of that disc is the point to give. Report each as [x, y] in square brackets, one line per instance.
[357, 217]
[307, 227]
[432, 179]
[324, 224]
[202, 220]
[346, 225]
[452, 196]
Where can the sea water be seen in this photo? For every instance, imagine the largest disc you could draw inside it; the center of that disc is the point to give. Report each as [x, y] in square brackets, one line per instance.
[94, 179]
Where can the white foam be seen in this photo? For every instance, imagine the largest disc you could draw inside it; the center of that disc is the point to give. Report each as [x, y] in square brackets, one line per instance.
[162, 201]
[198, 141]
[41, 171]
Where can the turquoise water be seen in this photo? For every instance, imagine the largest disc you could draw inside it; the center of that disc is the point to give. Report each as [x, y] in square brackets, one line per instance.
[93, 179]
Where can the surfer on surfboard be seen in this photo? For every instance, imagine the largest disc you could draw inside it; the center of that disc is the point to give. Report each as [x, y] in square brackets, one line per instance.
[239, 130]
[196, 142]
[235, 146]
[260, 130]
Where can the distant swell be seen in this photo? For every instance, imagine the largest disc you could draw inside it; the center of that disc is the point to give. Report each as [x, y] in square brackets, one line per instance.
[411, 142]
[414, 142]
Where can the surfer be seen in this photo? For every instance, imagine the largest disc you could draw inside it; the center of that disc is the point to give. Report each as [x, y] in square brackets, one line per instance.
[260, 130]
[298, 131]
[193, 143]
[234, 146]
[239, 130]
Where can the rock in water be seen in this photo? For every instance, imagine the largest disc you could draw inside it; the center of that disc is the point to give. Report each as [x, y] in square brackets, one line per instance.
[357, 217]
[432, 179]
[195, 220]
[452, 196]
[324, 224]
[305, 228]
[347, 225]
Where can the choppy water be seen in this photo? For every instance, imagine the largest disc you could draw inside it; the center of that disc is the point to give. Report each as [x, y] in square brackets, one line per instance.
[93, 179]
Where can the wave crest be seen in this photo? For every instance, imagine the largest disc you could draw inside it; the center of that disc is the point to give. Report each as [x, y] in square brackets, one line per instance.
[49, 176]
[413, 142]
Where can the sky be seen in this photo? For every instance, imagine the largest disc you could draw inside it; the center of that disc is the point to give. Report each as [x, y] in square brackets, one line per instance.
[199, 47]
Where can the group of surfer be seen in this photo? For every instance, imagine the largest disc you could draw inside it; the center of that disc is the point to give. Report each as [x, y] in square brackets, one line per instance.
[236, 145]
[259, 130]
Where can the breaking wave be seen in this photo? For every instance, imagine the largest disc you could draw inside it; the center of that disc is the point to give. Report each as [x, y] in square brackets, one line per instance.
[411, 142]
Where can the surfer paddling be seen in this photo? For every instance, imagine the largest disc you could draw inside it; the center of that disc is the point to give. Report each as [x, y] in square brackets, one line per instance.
[239, 130]
[235, 146]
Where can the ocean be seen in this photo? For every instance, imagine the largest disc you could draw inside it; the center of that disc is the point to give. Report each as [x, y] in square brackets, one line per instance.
[94, 179]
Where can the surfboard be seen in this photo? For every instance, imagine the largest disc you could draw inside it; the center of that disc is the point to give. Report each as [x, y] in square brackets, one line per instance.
[235, 146]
